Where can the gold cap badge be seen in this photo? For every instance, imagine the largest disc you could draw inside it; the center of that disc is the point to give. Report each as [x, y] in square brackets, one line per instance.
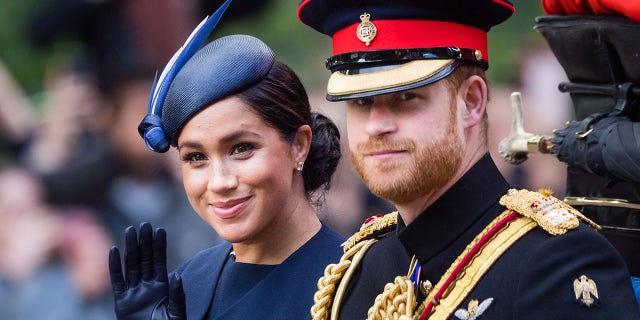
[478, 55]
[366, 29]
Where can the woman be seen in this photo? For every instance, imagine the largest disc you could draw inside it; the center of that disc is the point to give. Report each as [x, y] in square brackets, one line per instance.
[252, 153]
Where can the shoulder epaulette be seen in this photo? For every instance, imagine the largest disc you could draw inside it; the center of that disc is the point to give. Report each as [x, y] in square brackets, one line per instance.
[373, 227]
[550, 213]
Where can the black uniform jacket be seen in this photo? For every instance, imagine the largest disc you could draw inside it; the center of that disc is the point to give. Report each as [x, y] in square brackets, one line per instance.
[285, 293]
[533, 279]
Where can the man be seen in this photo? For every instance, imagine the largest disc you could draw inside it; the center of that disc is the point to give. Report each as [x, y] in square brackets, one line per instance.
[463, 244]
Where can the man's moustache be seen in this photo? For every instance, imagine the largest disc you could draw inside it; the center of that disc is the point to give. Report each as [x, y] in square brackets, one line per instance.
[372, 146]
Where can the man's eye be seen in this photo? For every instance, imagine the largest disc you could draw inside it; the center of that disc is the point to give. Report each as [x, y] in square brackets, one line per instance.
[241, 148]
[407, 96]
[363, 101]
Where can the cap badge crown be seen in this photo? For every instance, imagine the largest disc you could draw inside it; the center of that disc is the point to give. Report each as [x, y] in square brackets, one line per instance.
[478, 55]
[366, 29]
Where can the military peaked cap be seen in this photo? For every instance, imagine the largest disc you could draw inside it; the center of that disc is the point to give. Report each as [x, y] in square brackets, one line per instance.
[383, 46]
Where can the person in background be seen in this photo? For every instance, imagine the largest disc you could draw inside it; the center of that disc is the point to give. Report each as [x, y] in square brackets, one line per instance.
[252, 156]
[463, 244]
[50, 262]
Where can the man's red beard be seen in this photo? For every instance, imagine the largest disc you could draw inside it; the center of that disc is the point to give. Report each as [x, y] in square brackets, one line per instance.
[429, 168]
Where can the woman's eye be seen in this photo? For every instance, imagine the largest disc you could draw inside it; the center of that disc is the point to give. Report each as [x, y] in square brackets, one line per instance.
[241, 148]
[193, 157]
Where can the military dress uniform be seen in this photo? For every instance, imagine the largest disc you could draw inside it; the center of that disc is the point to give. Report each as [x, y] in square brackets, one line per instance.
[483, 250]
[540, 276]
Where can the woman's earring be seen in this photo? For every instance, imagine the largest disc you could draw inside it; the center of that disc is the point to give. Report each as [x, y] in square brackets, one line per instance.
[300, 165]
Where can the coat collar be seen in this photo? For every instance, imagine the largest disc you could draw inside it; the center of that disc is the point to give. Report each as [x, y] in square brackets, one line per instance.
[201, 275]
[466, 203]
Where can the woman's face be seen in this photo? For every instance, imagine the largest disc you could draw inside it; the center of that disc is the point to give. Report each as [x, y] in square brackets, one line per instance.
[238, 172]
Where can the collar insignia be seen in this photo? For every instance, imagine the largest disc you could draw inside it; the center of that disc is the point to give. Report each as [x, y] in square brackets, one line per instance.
[585, 290]
[366, 29]
[474, 310]
[425, 287]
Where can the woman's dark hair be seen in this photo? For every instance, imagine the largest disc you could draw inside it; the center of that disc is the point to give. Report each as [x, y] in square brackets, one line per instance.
[281, 101]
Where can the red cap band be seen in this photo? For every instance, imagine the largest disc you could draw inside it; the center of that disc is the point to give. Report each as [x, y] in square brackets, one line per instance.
[401, 34]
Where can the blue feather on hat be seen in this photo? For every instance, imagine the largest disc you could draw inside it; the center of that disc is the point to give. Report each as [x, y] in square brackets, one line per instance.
[151, 126]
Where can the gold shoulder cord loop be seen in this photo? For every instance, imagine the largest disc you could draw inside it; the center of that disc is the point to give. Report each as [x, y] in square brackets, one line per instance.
[339, 274]
[333, 274]
[397, 300]
[335, 308]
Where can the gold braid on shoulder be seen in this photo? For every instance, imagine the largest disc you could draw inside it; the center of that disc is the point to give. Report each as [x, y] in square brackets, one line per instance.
[372, 227]
[333, 284]
[551, 214]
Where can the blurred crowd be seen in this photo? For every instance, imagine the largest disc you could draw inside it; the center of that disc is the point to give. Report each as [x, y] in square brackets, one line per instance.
[74, 172]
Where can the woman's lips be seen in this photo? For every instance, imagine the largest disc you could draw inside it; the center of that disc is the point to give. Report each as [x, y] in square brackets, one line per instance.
[229, 208]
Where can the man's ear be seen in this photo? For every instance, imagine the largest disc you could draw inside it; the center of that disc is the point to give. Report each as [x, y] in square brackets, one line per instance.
[473, 92]
[302, 143]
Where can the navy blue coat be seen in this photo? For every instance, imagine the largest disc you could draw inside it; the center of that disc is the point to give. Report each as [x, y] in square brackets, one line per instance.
[285, 293]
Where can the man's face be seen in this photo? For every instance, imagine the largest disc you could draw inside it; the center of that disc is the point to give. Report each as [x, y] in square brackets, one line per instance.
[407, 144]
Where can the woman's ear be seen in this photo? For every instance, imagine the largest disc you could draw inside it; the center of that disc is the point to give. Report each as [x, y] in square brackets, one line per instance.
[473, 92]
[302, 143]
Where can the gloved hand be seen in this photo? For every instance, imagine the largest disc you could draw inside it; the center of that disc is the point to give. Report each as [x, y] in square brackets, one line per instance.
[146, 293]
[609, 150]
[585, 152]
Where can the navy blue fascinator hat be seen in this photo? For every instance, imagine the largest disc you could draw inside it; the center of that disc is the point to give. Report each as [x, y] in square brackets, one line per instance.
[223, 67]
[194, 80]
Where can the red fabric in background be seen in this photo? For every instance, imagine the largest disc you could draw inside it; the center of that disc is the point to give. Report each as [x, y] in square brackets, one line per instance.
[627, 8]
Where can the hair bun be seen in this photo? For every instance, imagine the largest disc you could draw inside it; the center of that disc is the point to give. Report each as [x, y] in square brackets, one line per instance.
[324, 154]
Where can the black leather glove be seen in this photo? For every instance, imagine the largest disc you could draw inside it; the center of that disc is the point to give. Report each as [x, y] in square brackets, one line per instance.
[585, 152]
[609, 150]
[145, 293]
